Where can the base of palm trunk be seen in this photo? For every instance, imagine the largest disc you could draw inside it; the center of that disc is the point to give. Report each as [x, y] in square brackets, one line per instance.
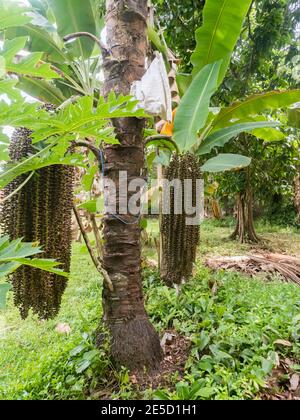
[135, 344]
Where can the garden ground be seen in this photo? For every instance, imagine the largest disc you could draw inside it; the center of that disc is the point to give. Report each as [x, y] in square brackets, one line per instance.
[228, 333]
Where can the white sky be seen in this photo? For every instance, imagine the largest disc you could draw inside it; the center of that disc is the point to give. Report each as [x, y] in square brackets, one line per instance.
[25, 2]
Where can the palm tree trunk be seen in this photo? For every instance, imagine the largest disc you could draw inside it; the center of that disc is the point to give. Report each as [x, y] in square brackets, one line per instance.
[135, 343]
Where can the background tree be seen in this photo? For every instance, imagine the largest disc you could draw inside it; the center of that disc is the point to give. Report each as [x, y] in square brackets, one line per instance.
[179, 20]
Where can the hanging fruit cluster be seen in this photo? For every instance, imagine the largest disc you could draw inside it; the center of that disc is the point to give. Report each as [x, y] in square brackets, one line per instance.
[40, 212]
[179, 239]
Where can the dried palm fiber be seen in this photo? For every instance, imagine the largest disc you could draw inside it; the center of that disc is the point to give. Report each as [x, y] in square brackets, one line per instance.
[40, 212]
[179, 240]
[268, 264]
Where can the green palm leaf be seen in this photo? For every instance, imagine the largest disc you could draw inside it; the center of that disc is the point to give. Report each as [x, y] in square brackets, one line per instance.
[75, 16]
[193, 110]
[254, 105]
[226, 162]
[221, 137]
[216, 39]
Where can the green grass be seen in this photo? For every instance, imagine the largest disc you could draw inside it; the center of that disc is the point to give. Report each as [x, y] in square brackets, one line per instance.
[232, 333]
[215, 238]
[35, 360]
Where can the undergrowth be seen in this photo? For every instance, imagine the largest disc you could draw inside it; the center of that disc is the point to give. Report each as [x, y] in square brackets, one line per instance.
[233, 332]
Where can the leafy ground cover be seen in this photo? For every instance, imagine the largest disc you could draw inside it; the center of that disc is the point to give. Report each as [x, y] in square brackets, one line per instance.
[238, 330]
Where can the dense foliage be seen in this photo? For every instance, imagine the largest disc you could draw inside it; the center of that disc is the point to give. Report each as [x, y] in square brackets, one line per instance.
[232, 333]
[235, 74]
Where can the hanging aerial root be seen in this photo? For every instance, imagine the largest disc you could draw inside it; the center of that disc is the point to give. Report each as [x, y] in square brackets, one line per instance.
[179, 239]
[39, 212]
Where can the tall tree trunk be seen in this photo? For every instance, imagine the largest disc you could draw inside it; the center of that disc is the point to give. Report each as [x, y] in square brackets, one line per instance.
[297, 194]
[216, 209]
[135, 344]
[245, 230]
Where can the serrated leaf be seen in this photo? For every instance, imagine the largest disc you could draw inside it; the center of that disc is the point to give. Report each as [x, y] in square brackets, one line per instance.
[49, 265]
[8, 87]
[12, 47]
[82, 118]
[32, 65]
[39, 160]
[15, 253]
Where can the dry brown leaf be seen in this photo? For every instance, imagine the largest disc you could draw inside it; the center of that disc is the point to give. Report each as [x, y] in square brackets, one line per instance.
[268, 264]
[283, 343]
[63, 328]
[294, 382]
[133, 379]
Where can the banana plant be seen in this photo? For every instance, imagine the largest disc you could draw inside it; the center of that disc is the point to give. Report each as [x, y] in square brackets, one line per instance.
[202, 129]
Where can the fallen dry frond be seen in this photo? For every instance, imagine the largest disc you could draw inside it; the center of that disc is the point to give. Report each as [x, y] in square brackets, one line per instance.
[287, 267]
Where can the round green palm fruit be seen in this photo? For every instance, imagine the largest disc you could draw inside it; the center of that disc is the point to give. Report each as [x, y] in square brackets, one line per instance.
[40, 212]
[179, 239]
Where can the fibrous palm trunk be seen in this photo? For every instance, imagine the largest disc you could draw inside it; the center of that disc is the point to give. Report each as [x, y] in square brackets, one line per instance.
[135, 343]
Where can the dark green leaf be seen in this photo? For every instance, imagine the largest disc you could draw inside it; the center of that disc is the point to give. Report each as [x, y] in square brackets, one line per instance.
[226, 162]
[4, 288]
[75, 16]
[193, 110]
[216, 39]
[221, 137]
